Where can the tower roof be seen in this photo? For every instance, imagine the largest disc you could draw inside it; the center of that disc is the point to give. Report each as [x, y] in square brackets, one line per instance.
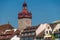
[24, 4]
[24, 13]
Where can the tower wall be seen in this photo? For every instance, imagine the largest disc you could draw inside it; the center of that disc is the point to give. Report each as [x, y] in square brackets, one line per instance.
[23, 23]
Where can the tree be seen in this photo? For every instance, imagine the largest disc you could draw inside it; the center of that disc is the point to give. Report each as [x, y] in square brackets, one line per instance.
[53, 37]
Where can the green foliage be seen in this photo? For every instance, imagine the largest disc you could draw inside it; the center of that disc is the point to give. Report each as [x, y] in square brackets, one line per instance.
[53, 37]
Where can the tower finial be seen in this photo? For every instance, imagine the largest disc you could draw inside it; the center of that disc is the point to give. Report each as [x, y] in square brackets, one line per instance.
[24, 5]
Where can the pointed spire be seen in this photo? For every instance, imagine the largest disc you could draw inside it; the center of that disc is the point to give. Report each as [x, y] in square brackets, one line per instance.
[25, 12]
[24, 5]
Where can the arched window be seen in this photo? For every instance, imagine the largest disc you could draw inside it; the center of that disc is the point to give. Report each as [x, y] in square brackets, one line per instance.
[46, 32]
[48, 27]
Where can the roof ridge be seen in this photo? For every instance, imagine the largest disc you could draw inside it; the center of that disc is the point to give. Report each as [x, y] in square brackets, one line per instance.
[4, 24]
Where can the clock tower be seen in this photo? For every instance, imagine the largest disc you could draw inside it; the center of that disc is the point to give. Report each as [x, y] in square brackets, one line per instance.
[24, 18]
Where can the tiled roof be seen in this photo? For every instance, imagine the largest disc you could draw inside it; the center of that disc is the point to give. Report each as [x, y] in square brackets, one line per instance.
[30, 31]
[6, 37]
[41, 34]
[5, 27]
[52, 25]
[22, 15]
[7, 31]
[9, 34]
[17, 32]
[31, 27]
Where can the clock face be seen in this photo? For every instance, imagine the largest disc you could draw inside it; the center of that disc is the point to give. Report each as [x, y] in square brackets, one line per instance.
[28, 21]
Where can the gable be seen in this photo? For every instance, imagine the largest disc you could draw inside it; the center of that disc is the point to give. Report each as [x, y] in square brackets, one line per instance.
[57, 27]
[52, 25]
[48, 27]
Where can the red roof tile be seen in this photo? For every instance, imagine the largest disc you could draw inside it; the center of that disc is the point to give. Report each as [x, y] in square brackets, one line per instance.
[5, 27]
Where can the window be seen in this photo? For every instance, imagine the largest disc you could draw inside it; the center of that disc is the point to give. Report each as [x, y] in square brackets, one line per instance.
[50, 32]
[57, 38]
[57, 35]
[30, 38]
[48, 27]
[27, 38]
[33, 33]
[29, 33]
[46, 32]
[39, 38]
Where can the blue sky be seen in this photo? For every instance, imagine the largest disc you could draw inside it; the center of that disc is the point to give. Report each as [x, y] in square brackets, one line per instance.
[43, 11]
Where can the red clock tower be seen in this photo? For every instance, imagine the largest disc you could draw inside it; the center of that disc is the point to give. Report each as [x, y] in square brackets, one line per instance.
[24, 17]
